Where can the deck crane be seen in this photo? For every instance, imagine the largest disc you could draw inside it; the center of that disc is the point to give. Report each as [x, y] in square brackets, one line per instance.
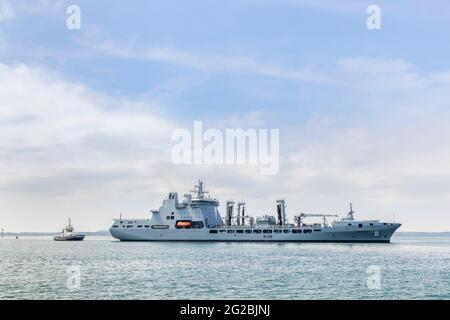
[298, 219]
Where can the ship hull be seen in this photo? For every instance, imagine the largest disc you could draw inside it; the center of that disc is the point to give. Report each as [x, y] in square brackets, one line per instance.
[69, 238]
[373, 235]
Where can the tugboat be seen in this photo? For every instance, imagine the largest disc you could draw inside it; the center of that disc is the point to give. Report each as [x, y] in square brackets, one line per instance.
[67, 234]
[197, 218]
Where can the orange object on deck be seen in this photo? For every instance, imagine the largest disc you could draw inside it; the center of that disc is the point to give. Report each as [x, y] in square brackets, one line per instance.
[184, 224]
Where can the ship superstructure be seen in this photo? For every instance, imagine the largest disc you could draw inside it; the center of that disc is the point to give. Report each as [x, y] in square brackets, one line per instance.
[197, 218]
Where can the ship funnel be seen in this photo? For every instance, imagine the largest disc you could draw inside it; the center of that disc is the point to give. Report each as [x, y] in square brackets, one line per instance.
[241, 213]
[230, 209]
[281, 211]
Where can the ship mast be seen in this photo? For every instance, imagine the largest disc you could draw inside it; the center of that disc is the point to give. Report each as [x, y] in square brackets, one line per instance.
[198, 188]
[350, 214]
[69, 227]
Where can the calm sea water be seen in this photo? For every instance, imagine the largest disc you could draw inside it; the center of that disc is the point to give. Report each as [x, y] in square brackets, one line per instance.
[101, 268]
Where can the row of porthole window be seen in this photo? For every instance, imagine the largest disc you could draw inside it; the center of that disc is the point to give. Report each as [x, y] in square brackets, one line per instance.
[131, 226]
[359, 225]
[265, 231]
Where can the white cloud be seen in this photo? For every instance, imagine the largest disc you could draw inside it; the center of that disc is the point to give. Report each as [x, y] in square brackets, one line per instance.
[66, 150]
[391, 9]
[204, 61]
[60, 140]
[391, 156]
[348, 6]
[39, 7]
[7, 12]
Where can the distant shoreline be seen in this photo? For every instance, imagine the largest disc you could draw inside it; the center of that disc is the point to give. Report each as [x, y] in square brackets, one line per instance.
[47, 234]
[106, 233]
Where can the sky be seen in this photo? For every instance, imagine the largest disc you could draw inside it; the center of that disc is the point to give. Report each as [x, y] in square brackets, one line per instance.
[86, 115]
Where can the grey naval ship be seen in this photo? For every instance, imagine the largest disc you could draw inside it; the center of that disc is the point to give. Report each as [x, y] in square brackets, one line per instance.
[196, 218]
